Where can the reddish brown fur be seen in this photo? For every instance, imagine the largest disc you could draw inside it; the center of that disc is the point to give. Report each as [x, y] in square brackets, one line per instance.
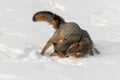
[76, 54]
[74, 45]
[59, 54]
[41, 17]
[61, 37]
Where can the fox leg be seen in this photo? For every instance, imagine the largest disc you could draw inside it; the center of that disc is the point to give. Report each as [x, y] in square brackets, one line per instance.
[65, 44]
[50, 42]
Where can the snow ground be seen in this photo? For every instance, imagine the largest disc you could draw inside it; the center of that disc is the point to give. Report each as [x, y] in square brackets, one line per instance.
[21, 40]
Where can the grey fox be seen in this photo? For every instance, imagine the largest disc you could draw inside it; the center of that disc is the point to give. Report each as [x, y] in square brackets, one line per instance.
[68, 39]
[68, 32]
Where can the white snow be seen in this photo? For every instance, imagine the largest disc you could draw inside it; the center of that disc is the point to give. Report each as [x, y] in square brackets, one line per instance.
[21, 40]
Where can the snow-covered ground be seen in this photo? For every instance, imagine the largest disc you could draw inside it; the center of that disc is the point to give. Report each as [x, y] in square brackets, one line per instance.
[21, 40]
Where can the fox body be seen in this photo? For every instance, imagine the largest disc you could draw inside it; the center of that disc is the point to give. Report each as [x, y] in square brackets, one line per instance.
[68, 32]
[68, 39]
[77, 49]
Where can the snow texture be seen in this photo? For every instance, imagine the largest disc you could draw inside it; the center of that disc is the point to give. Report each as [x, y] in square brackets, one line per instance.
[21, 40]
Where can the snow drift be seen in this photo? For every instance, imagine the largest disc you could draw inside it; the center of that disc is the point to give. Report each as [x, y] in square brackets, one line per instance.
[21, 40]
